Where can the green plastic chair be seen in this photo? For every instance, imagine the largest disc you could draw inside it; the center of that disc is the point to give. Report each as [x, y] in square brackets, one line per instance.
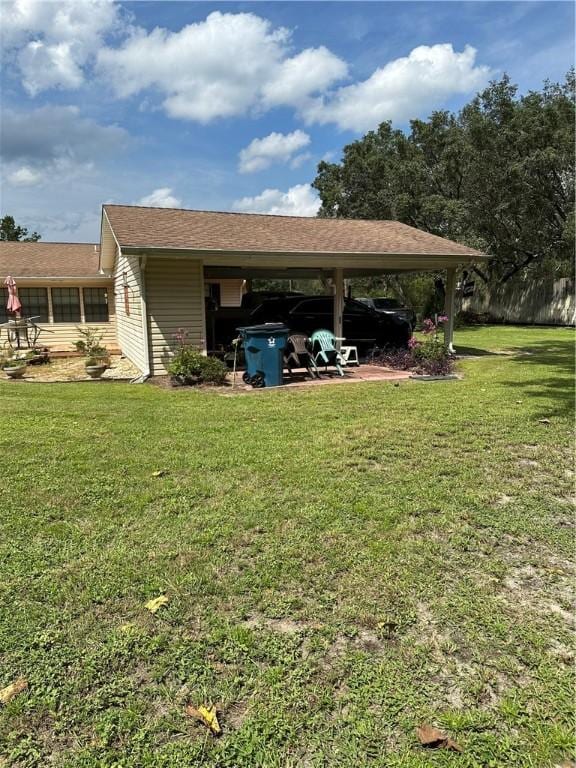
[324, 350]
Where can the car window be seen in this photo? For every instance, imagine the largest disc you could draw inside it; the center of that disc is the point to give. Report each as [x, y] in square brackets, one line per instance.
[321, 306]
[352, 307]
[386, 304]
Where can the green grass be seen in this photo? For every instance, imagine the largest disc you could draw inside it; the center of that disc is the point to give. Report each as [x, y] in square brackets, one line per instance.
[343, 563]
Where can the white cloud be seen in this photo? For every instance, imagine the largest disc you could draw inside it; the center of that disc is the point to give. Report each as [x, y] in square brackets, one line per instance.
[160, 198]
[402, 89]
[229, 64]
[300, 200]
[25, 177]
[53, 41]
[300, 160]
[274, 148]
[312, 70]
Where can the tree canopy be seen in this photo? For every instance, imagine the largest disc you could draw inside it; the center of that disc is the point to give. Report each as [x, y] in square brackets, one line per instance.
[498, 176]
[9, 230]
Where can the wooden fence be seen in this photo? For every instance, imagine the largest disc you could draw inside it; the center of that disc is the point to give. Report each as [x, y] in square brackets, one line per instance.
[538, 302]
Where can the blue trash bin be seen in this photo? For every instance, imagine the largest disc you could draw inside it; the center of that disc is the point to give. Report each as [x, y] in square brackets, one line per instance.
[264, 347]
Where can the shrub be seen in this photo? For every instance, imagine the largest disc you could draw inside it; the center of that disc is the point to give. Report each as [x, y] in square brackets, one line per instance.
[190, 366]
[91, 343]
[429, 357]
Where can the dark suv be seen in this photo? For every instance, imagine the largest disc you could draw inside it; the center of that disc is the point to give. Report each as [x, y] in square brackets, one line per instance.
[388, 306]
[362, 326]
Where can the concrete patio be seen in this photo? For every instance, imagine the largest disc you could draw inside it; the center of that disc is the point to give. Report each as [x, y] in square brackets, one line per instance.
[352, 374]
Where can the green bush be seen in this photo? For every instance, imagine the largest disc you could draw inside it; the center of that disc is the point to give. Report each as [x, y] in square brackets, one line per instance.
[190, 366]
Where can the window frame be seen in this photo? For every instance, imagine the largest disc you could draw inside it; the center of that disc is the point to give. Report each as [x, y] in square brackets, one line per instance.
[54, 291]
[96, 288]
[44, 319]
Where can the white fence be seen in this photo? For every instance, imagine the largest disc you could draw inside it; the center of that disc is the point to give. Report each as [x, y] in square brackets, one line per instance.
[541, 302]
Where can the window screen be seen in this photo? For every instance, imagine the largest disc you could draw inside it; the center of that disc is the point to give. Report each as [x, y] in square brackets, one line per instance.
[66, 305]
[95, 305]
[34, 303]
[4, 314]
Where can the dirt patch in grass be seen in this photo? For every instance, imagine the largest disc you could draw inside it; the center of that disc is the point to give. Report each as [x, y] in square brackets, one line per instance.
[282, 626]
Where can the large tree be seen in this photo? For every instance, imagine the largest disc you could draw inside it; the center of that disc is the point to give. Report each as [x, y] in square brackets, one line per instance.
[9, 230]
[499, 176]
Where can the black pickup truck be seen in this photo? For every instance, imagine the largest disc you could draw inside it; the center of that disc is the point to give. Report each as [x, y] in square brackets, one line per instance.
[363, 327]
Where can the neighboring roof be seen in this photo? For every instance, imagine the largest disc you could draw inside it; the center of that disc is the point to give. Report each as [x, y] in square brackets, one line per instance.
[140, 227]
[40, 259]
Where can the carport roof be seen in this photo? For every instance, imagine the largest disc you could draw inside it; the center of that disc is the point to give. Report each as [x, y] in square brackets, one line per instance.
[175, 228]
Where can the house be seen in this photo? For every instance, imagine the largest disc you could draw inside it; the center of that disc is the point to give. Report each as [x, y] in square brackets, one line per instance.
[154, 268]
[62, 286]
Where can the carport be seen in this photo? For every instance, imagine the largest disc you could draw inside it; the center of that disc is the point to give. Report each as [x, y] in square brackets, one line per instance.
[161, 257]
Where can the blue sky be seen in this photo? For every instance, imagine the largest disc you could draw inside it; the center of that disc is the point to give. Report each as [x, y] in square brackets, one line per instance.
[230, 106]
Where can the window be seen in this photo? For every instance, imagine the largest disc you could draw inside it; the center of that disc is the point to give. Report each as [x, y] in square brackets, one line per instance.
[66, 305]
[4, 314]
[320, 306]
[352, 307]
[212, 291]
[95, 305]
[34, 303]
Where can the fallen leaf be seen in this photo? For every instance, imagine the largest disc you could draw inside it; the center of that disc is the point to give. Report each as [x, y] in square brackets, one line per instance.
[544, 421]
[156, 603]
[207, 716]
[434, 739]
[160, 473]
[8, 693]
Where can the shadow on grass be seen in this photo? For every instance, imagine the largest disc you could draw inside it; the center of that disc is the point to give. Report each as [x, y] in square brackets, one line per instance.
[560, 388]
[473, 352]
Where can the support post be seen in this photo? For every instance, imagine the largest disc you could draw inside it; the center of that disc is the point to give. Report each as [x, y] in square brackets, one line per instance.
[450, 307]
[338, 280]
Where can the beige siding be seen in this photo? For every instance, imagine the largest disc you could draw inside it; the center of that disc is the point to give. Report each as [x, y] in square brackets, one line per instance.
[231, 291]
[175, 299]
[129, 324]
[61, 337]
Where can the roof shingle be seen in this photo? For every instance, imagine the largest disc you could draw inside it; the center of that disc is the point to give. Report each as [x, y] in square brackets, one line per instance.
[40, 259]
[248, 232]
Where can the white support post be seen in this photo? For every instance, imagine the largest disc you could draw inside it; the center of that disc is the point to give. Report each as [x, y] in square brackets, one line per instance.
[450, 307]
[338, 280]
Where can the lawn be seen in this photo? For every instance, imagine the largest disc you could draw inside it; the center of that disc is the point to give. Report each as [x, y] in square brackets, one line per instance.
[342, 565]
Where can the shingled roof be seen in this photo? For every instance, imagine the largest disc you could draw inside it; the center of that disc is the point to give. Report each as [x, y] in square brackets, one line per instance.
[40, 259]
[140, 227]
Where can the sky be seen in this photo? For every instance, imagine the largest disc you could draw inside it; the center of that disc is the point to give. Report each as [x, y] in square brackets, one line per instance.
[230, 106]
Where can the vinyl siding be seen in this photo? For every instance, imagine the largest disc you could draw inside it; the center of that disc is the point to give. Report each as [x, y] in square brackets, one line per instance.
[231, 291]
[61, 337]
[175, 299]
[129, 325]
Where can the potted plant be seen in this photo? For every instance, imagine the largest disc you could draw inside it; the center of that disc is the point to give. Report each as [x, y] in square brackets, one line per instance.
[97, 356]
[14, 367]
[95, 367]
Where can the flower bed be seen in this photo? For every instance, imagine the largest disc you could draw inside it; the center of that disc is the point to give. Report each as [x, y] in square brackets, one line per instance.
[428, 357]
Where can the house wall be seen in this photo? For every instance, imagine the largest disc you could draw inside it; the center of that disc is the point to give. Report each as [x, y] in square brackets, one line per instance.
[128, 288]
[61, 337]
[175, 300]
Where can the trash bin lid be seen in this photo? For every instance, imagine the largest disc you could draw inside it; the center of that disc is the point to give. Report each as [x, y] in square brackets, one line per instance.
[267, 328]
